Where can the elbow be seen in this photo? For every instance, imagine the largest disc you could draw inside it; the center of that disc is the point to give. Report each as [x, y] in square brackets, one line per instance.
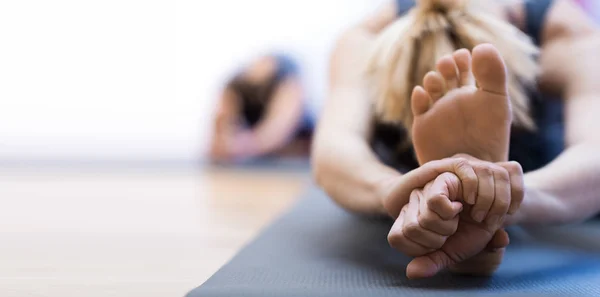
[319, 168]
[324, 165]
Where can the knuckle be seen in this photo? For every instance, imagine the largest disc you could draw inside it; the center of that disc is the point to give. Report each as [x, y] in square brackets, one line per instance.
[514, 167]
[486, 171]
[465, 170]
[501, 175]
[461, 163]
[426, 221]
[395, 239]
[412, 229]
[436, 199]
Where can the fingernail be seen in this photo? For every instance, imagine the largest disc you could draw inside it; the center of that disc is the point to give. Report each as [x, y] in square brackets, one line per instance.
[479, 216]
[493, 220]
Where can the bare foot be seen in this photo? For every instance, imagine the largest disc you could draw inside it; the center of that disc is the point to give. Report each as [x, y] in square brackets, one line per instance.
[453, 115]
[464, 108]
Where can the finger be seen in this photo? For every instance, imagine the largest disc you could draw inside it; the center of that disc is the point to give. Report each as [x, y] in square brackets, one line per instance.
[500, 240]
[461, 167]
[484, 263]
[428, 265]
[397, 193]
[485, 193]
[398, 241]
[501, 202]
[440, 196]
[434, 223]
[517, 185]
[428, 218]
[415, 232]
[468, 179]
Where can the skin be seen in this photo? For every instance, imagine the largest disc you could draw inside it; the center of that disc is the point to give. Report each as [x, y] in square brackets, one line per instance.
[441, 237]
[564, 191]
[274, 131]
[442, 130]
[453, 115]
[474, 86]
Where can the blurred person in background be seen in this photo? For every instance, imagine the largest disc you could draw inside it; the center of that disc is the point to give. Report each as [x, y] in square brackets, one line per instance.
[592, 7]
[431, 98]
[262, 113]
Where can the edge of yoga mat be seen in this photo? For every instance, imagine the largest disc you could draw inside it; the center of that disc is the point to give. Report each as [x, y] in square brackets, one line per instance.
[318, 249]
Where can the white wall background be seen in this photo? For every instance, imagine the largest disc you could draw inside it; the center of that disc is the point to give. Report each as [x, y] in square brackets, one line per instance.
[131, 79]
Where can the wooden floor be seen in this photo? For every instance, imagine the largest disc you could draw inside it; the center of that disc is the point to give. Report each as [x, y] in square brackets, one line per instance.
[74, 233]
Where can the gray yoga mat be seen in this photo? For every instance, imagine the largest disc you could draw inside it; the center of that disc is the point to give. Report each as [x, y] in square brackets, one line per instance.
[317, 249]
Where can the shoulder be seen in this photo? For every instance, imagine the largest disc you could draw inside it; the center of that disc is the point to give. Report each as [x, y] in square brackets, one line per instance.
[548, 20]
[566, 19]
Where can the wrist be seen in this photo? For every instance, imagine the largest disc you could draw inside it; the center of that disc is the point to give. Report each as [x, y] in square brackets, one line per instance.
[538, 207]
[382, 190]
[393, 193]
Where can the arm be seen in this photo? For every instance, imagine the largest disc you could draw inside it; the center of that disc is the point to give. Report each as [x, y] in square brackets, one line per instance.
[567, 189]
[225, 125]
[343, 163]
[281, 119]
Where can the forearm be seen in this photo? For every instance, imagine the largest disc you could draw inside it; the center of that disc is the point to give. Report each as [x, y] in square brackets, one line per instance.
[348, 171]
[280, 122]
[565, 191]
[266, 139]
[343, 163]
[226, 120]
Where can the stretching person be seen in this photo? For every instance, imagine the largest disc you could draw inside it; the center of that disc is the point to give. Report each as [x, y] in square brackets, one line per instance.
[554, 141]
[262, 112]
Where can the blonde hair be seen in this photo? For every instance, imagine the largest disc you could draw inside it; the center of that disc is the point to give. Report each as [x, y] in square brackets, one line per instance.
[409, 48]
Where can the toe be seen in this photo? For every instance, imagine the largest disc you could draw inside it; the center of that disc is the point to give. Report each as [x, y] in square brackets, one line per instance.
[489, 69]
[420, 101]
[463, 59]
[448, 69]
[434, 85]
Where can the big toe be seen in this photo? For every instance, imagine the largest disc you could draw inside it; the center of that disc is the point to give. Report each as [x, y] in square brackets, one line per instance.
[489, 69]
